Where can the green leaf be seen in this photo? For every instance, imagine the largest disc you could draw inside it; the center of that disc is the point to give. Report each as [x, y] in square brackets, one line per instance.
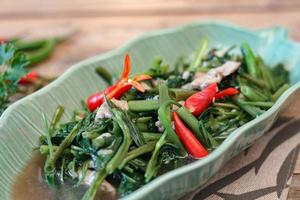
[12, 68]
[130, 183]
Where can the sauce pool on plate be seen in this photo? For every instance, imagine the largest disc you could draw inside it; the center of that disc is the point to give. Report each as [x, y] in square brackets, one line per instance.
[29, 184]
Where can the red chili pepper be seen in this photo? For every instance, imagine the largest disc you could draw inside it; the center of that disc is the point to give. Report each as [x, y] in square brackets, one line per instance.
[226, 92]
[119, 88]
[29, 78]
[97, 99]
[2, 40]
[199, 101]
[190, 142]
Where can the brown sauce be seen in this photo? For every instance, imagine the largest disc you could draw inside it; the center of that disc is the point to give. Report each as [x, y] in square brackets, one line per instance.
[30, 185]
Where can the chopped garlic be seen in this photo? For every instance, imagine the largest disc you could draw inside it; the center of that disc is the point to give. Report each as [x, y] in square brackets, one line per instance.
[104, 152]
[103, 112]
[159, 125]
[185, 75]
[173, 125]
[156, 97]
[175, 107]
[220, 53]
[181, 102]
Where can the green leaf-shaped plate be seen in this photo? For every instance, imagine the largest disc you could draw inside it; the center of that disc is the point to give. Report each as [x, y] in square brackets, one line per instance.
[21, 124]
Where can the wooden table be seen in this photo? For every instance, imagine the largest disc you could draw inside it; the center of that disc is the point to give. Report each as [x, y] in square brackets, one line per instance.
[102, 25]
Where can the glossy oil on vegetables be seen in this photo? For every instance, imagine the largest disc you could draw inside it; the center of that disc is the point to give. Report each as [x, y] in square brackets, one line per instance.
[146, 124]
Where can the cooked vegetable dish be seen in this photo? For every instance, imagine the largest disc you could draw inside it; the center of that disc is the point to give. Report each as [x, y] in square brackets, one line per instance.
[144, 125]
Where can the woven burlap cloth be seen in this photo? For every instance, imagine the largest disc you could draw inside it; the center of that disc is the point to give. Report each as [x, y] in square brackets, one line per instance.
[264, 170]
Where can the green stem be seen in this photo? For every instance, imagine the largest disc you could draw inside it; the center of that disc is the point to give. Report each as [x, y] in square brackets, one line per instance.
[136, 135]
[225, 105]
[164, 97]
[138, 164]
[55, 119]
[259, 103]
[266, 75]
[203, 136]
[44, 149]
[164, 114]
[90, 134]
[48, 136]
[143, 105]
[280, 91]
[181, 94]
[42, 53]
[143, 119]
[165, 118]
[103, 73]
[137, 152]
[191, 122]
[29, 45]
[149, 136]
[50, 164]
[249, 59]
[251, 79]
[123, 149]
[252, 94]
[94, 187]
[152, 168]
[212, 142]
[102, 140]
[251, 110]
[141, 127]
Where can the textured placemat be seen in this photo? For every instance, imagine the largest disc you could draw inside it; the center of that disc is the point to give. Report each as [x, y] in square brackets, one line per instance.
[264, 170]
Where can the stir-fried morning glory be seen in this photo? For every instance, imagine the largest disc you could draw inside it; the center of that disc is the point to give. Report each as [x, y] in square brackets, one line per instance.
[144, 125]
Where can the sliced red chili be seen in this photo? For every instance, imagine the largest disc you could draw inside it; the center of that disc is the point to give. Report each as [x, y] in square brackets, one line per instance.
[119, 88]
[135, 81]
[28, 78]
[126, 70]
[2, 40]
[190, 142]
[97, 99]
[199, 101]
[119, 93]
[226, 92]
